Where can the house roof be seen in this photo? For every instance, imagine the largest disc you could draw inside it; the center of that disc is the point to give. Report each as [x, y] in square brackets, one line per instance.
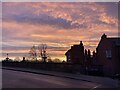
[115, 40]
[68, 51]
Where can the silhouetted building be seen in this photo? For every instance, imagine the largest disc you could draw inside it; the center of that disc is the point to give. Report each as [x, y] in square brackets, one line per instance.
[76, 54]
[108, 55]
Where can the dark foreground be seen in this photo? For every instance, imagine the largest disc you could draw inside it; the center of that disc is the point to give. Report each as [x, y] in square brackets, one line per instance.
[17, 79]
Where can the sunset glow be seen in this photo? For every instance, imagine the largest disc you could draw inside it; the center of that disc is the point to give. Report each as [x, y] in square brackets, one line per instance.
[59, 25]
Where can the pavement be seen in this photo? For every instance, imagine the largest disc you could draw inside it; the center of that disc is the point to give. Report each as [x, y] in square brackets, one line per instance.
[101, 80]
[17, 79]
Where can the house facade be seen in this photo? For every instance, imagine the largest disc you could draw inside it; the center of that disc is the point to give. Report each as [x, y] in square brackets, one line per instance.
[76, 54]
[108, 55]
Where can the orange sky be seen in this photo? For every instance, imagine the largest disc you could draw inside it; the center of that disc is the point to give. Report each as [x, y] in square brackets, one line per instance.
[59, 25]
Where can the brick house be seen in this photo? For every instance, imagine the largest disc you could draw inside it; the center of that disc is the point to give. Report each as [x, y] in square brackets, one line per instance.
[76, 54]
[108, 55]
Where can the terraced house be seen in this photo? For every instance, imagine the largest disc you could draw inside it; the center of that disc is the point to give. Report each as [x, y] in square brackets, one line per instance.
[108, 55]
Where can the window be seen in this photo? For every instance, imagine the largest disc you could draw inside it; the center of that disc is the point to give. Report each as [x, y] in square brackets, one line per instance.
[108, 53]
[69, 57]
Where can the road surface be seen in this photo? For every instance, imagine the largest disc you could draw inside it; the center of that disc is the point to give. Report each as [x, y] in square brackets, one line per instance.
[17, 79]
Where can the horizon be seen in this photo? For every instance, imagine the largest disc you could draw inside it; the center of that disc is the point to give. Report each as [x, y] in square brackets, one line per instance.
[59, 25]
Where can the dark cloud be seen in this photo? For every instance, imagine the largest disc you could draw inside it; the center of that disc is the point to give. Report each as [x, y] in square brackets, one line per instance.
[14, 48]
[14, 55]
[43, 19]
[111, 8]
[52, 48]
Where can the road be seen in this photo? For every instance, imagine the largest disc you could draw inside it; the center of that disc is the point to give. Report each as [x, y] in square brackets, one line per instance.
[17, 79]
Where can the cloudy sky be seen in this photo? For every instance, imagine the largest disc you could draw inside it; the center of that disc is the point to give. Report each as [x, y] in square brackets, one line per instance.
[59, 25]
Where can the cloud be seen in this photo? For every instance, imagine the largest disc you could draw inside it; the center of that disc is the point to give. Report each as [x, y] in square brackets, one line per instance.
[62, 15]
[56, 24]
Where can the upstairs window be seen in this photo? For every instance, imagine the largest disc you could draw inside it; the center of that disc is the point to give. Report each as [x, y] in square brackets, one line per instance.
[108, 53]
[69, 57]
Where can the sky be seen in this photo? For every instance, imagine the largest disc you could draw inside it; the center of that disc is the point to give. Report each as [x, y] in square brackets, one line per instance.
[56, 24]
[59, 0]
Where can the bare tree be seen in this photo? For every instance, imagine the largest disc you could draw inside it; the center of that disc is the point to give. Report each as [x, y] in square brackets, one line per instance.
[33, 53]
[42, 52]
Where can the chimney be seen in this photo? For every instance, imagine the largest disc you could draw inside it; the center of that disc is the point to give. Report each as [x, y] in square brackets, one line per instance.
[104, 36]
[81, 43]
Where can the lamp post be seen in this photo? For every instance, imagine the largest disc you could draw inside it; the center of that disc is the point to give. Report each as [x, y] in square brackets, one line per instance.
[7, 57]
